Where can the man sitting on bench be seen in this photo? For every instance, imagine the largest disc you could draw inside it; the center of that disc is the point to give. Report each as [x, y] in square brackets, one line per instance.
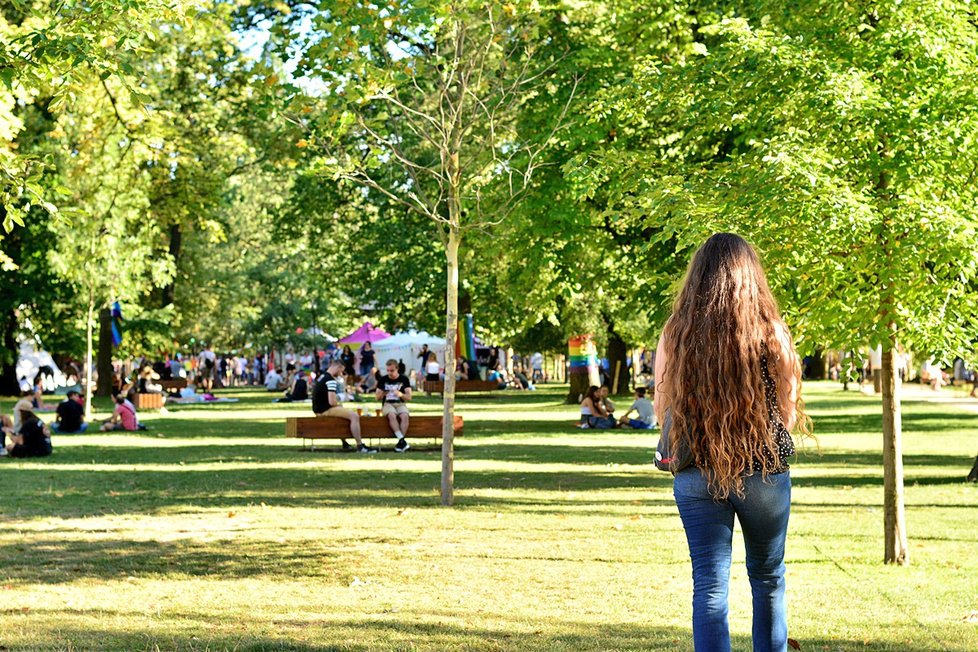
[393, 390]
[326, 403]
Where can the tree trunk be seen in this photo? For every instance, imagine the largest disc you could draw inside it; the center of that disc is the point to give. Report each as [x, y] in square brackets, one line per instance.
[578, 387]
[451, 335]
[104, 387]
[617, 354]
[894, 517]
[817, 368]
[176, 244]
[973, 476]
[89, 325]
[9, 383]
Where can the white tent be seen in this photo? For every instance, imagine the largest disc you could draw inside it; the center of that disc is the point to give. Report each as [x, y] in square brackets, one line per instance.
[30, 361]
[406, 346]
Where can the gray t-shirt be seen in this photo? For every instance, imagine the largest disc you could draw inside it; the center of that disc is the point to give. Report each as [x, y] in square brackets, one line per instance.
[644, 408]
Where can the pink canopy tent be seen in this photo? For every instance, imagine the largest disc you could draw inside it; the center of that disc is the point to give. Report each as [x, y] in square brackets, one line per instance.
[366, 333]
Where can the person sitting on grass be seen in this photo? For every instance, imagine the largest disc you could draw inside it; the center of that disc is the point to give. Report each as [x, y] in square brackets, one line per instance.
[34, 439]
[299, 391]
[393, 391]
[643, 407]
[521, 379]
[326, 403]
[38, 396]
[70, 415]
[593, 412]
[273, 380]
[124, 416]
[496, 375]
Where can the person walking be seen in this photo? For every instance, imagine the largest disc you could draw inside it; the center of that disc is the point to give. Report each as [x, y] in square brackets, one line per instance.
[730, 441]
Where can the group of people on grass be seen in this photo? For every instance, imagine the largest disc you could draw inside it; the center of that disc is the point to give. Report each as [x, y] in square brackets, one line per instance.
[597, 411]
[30, 436]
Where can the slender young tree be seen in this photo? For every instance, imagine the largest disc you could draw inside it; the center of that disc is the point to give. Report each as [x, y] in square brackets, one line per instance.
[419, 105]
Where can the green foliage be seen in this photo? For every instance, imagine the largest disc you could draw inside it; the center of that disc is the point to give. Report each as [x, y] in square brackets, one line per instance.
[839, 139]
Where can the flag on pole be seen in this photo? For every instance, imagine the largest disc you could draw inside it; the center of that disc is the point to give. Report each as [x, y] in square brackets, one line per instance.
[116, 321]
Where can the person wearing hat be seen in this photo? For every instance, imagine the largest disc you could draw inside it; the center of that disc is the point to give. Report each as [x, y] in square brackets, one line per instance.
[33, 440]
[145, 385]
[24, 405]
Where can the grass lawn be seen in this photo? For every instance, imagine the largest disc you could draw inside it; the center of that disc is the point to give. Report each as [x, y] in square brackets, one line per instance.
[212, 532]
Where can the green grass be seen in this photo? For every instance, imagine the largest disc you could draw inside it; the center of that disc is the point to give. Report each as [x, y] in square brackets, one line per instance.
[212, 532]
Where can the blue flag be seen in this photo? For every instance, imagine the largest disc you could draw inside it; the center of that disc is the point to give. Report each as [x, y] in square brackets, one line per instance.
[116, 320]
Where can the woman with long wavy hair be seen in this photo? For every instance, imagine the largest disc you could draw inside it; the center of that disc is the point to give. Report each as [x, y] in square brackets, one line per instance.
[727, 372]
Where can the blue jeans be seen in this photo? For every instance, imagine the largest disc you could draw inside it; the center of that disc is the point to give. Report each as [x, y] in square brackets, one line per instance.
[763, 515]
[83, 428]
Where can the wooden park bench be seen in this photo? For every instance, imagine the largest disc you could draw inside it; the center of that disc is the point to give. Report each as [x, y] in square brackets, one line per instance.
[313, 428]
[461, 386]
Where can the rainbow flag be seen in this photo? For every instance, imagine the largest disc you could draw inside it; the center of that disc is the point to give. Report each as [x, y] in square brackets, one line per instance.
[465, 342]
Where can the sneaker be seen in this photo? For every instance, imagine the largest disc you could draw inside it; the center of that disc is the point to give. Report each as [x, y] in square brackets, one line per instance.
[583, 426]
[401, 445]
[346, 445]
[363, 448]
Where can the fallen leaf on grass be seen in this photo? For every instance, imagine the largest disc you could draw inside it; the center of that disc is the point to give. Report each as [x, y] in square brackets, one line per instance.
[401, 512]
[114, 493]
[971, 618]
[793, 644]
[232, 514]
[618, 526]
[637, 517]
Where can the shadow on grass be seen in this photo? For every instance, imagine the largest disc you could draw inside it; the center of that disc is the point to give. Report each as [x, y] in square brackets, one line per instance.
[373, 632]
[56, 561]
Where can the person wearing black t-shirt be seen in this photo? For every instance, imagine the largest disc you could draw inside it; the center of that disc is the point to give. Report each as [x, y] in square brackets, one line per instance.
[326, 403]
[34, 439]
[393, 390]
[70, 415]
[299, 391]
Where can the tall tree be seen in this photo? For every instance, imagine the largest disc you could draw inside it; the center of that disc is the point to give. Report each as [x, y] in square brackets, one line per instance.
[841, 139]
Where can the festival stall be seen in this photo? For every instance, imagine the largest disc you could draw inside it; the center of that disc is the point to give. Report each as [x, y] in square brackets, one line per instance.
[406, 346]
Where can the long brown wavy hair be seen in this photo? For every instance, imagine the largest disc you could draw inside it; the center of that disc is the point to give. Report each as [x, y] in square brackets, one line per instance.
[724, 325]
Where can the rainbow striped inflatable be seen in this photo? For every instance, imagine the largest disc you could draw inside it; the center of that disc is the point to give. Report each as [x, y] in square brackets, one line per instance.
[465, 342]
[583, 358]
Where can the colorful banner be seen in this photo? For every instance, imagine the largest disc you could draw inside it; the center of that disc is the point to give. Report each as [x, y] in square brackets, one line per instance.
[465, 342]
[583, 358]
[116, 321]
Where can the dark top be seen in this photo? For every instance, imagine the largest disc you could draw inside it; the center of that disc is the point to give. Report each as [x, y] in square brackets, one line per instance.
[36, 443]
[782, 438]
[348, 359]
[424, 355]
[300, 391]
[367, 358]
[320, 393]
[70, 415]
[390, 385]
